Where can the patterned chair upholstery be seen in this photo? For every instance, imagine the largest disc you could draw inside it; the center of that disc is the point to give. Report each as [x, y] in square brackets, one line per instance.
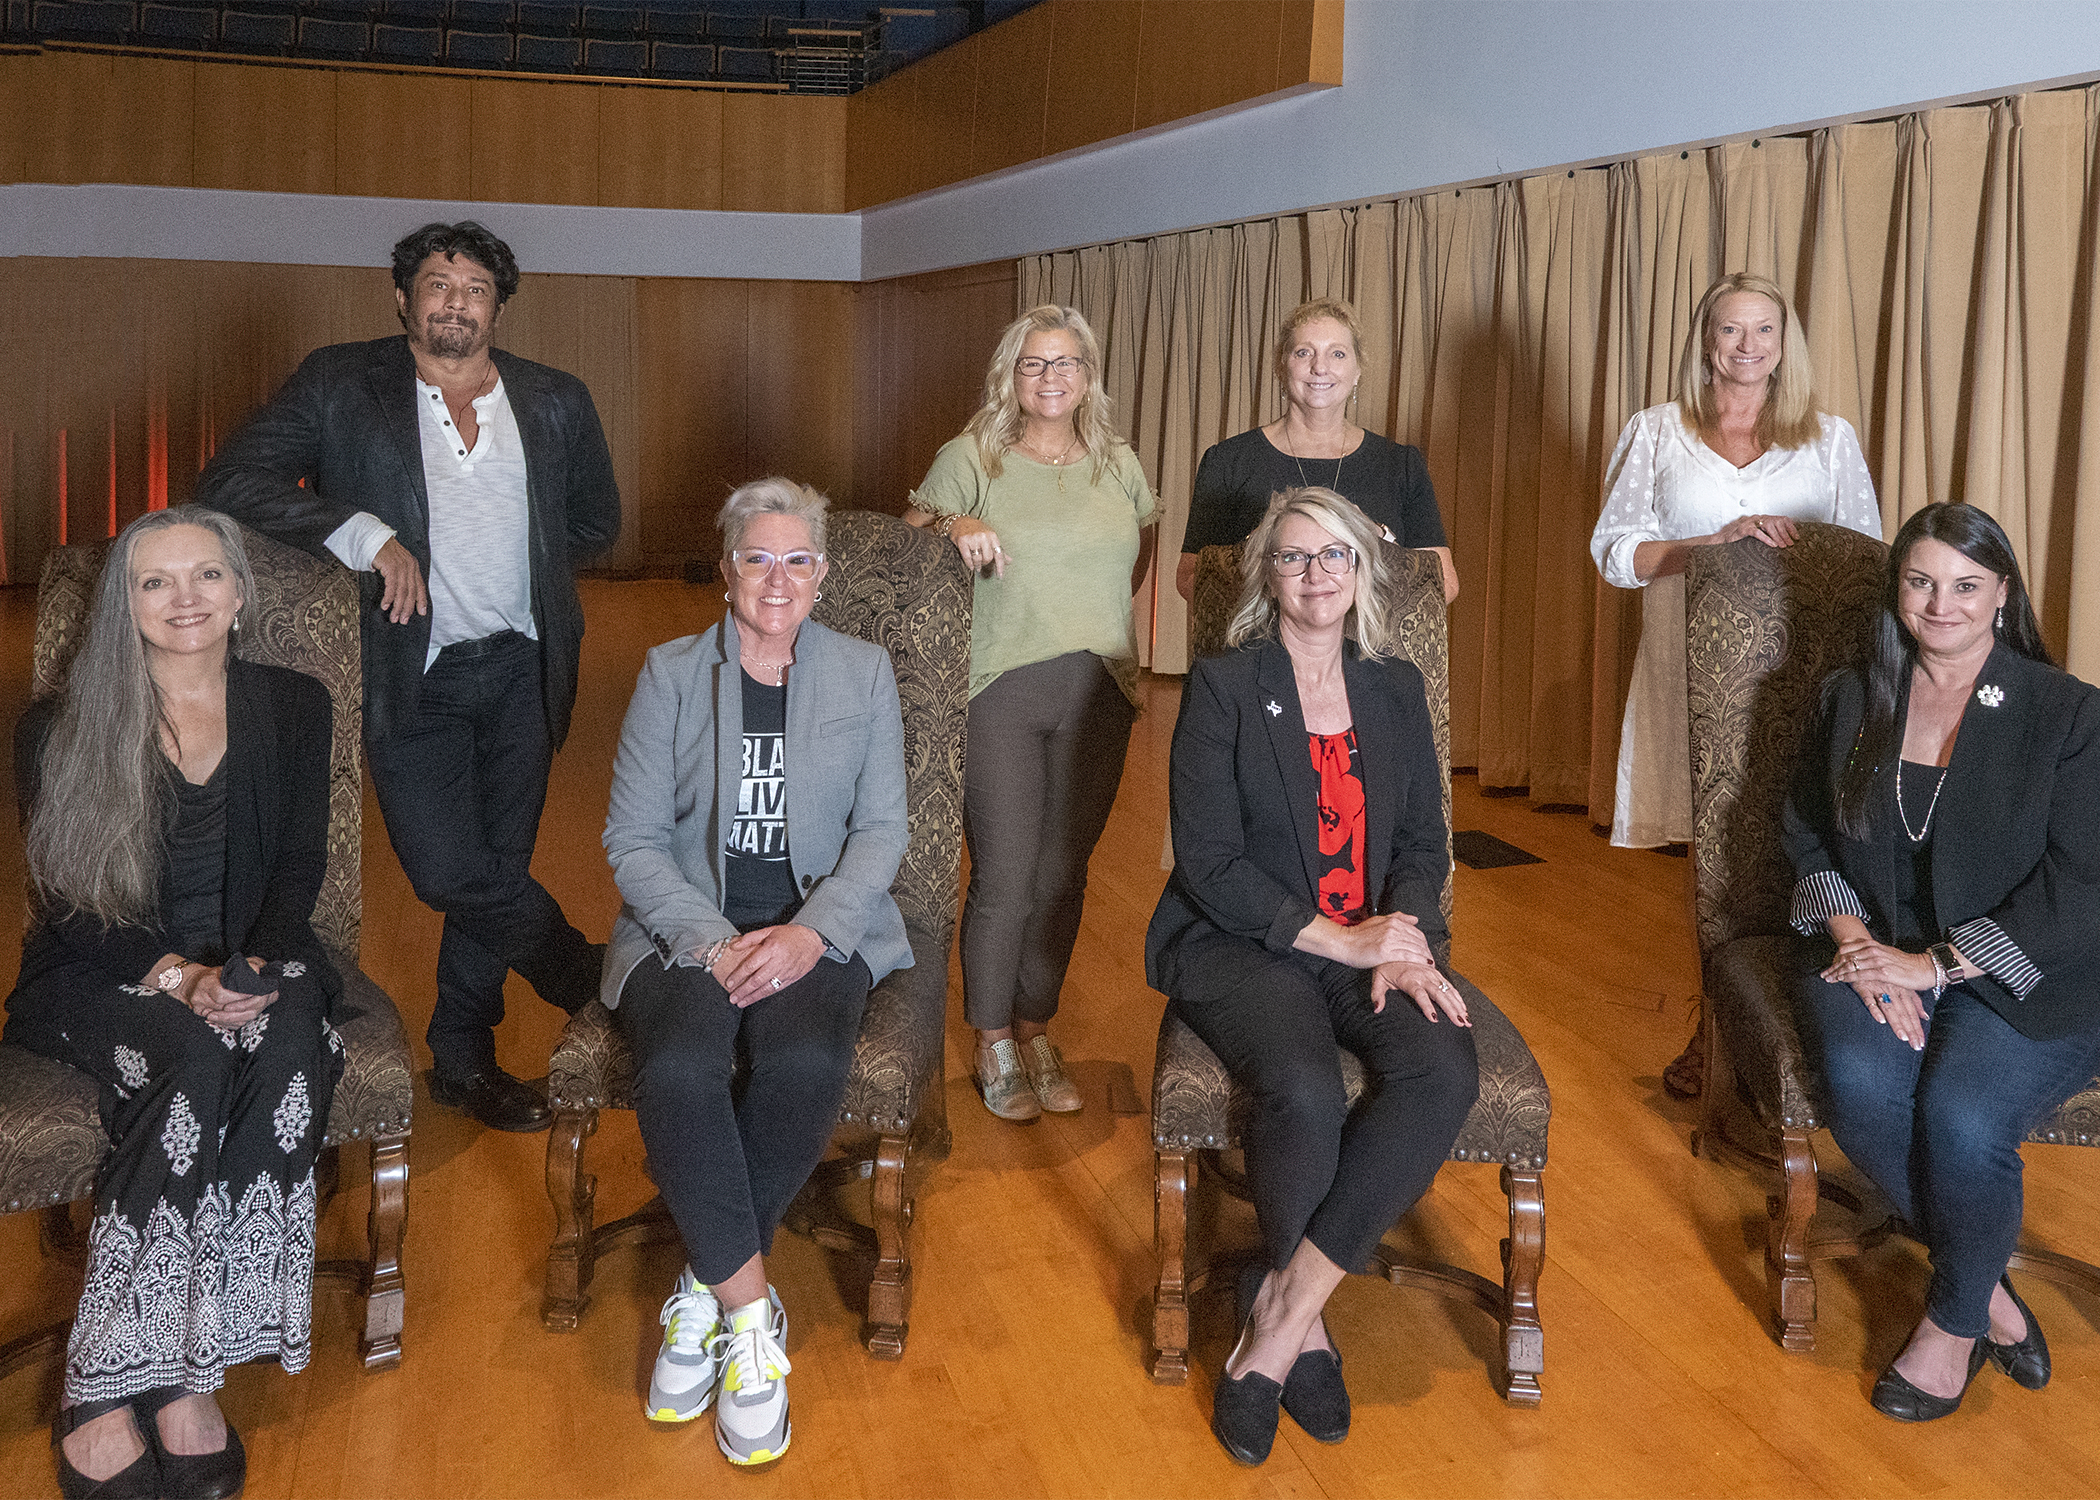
[907, 591]
[1764, 627]
[51, 1137]
[1197, 1113]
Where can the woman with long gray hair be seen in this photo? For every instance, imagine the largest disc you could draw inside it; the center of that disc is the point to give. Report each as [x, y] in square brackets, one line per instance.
[176, 804]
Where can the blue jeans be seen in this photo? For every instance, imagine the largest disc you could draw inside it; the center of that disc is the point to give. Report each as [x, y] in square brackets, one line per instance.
[1939, 1131]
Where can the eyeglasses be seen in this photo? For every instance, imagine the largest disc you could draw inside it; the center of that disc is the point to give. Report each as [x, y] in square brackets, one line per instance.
[754, 564]
[1292, 564]
[1031, 366]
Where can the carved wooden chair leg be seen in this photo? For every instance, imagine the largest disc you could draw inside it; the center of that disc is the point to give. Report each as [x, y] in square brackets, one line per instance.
[572, 1258]
[1172, 1174]
[1788, 1276]
[1523, 1257]
[386, 1224]
[889, 1289]
[58, 1235]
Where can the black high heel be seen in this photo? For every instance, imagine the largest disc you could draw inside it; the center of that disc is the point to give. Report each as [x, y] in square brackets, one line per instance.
[192, 1476]
[137, 1480]
[2028, 1360]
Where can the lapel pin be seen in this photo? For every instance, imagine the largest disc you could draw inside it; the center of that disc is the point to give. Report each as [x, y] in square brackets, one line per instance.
[1275, 708]
[1990, 695]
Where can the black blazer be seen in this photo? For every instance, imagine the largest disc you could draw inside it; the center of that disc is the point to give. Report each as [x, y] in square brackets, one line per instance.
[1244, 799]
[346, 424]
[2016, 832]
[278, 732]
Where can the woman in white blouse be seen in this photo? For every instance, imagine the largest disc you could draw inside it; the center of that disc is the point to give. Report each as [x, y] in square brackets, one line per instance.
[1741, 452]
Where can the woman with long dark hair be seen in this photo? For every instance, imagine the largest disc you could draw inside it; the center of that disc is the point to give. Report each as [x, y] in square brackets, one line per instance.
[1944, 825]
[176, 802]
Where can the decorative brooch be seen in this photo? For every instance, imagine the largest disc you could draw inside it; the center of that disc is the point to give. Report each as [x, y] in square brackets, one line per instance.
[1990, 695]
[1275, 708]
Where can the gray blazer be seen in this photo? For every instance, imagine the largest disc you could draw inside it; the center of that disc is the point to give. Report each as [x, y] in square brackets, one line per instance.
[674, 795]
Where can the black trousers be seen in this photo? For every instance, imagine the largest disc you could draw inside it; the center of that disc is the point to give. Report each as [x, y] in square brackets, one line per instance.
[1316, 1169]
[729, 1160]
[461, 785]
[1047, 743]
[201, 1254]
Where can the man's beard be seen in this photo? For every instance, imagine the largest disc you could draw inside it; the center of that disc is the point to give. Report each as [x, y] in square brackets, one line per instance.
[451, 340]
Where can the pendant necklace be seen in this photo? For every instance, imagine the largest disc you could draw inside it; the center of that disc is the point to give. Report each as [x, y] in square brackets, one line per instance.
[1926, 826]
[778, 669]
[1057, 463]
[1336, 485]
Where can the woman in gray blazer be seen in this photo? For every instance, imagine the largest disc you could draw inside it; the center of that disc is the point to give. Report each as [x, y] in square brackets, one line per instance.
[757, 820]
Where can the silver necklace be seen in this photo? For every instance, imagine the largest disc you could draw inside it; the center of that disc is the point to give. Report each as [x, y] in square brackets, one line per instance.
[1926, 826]
[778, 669]
[1336, 485]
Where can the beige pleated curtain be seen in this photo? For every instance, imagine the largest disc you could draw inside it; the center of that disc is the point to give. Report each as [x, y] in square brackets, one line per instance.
[1943, 264]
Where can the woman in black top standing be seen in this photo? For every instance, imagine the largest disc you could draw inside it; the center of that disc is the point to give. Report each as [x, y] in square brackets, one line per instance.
[1319, 354]
[1944, 827]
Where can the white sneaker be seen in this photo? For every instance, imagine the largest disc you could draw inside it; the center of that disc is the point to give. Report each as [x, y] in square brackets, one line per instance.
[684, 1381]
[751, 1418]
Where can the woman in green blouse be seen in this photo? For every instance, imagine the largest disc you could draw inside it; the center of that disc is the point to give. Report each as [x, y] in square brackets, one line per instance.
[1048, 506]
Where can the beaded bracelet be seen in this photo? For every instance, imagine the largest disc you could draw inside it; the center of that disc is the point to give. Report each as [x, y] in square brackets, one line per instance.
[714, 952]
[944, 528]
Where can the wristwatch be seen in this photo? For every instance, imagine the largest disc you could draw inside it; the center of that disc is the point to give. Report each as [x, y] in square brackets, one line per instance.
[1943, 958]
[169, 980]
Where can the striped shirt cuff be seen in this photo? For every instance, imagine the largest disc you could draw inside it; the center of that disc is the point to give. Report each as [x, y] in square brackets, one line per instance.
[1821, 896]
[1984, 943]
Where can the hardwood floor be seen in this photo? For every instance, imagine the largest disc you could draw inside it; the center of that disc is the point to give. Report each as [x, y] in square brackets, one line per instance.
[1025, 1374]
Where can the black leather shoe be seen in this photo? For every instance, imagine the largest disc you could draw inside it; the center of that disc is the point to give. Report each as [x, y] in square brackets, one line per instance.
[137, 1480]
[1315, 1397]
[493, 1097]
[192, 1476]
[2027, 1361]
[1243, 1415]
[1896, 1397]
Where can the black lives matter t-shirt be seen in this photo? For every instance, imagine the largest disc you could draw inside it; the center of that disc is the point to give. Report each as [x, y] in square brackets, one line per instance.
[761, 889]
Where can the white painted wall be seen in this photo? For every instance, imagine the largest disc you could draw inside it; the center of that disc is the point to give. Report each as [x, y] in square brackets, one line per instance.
[1440, 92]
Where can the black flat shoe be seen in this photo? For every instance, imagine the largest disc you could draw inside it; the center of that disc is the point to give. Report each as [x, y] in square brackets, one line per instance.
[1896, 1397]
[493, 1097]
[203, 1476]
[1315, 1397]
[1243, 1415]
[2027, 1361]
[137, 1480]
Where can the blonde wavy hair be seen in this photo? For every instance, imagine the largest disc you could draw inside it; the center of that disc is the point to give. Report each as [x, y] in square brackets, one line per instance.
[1788, 417]
[1304, 313]
[1370, 619]
[999, 422]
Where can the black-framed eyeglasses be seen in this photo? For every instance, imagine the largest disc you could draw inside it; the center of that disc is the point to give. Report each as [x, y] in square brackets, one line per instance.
[1292, 563]
[1066, 365]
[752, 563]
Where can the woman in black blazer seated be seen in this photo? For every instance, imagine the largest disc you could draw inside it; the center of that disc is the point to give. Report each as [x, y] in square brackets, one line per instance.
[1311, 854]
[176, 802]
[1944, 826]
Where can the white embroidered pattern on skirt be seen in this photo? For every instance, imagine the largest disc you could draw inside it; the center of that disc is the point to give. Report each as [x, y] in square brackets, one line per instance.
[180, 1136]
[131, 1067]
[177, 1305]
[292, 1115]
[252, 1033]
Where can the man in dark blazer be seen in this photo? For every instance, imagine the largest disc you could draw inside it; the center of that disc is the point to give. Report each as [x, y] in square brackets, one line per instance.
[467, 484]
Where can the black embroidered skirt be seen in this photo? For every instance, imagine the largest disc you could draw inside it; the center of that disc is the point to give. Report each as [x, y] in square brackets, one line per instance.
[201, 1253]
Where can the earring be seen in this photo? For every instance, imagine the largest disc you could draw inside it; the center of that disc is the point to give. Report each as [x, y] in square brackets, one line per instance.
[727, 597]
[237, 620]
[2000, 625]
[819, 597]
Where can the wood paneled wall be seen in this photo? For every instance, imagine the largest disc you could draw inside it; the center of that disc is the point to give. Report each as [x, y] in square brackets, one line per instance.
[77, 116]
[923, 344]
[118, 377]
[1071, 73]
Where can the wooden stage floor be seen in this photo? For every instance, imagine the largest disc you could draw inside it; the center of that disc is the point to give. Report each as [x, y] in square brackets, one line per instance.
[1025, 1374]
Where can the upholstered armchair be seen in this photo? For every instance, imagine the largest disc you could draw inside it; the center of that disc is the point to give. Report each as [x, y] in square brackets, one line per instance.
[1763, 628]
[52, 1142]
[907, 591]
[1197, 1114]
